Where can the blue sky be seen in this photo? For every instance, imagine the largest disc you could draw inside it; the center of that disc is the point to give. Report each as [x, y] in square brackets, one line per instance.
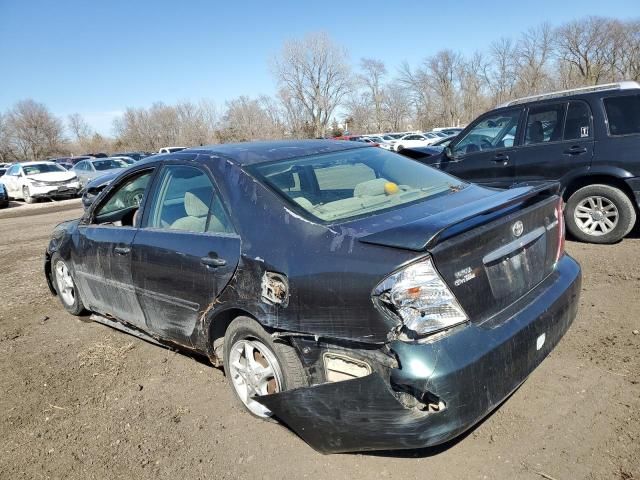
[97, 57]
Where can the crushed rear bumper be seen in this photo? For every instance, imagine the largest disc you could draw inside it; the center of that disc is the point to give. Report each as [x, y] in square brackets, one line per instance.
[472, 370]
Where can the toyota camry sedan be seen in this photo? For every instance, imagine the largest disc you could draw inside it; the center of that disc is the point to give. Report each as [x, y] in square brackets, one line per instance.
[365, 300]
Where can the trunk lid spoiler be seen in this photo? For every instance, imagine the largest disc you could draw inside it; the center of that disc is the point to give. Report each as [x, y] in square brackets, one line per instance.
[425, 233]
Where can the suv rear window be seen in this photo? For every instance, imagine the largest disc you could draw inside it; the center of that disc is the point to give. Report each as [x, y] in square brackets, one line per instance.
[623, 114]
[353, 183]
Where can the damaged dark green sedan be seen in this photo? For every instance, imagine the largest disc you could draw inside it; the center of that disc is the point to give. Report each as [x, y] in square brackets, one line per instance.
[365, 300]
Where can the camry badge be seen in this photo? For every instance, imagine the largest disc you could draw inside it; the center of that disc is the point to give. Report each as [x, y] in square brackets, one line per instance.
[517, 228]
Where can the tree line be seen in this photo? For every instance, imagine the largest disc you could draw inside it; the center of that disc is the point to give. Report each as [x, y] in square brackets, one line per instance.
[321, 92]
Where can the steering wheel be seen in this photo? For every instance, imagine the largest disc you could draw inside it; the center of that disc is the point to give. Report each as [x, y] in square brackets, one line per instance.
[485, 144]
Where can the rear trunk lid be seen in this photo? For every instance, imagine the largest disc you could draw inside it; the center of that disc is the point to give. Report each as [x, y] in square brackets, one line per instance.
[490, 252]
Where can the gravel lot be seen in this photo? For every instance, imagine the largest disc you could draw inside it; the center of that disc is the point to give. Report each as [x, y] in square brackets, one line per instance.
[79, 400]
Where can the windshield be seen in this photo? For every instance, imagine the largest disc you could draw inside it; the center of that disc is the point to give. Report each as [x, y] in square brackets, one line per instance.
[109, 164]
[41, 168]
[353, 183]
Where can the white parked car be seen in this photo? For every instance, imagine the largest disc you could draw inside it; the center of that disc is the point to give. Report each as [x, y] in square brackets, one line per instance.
[170, 149]
[414, 140]
[33, 180]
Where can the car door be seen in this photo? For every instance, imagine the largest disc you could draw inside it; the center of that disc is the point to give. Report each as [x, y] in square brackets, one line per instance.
[103, 257]
[185, 253]
[10, 180]
[80, 170]
[483, 153]
[557, 140]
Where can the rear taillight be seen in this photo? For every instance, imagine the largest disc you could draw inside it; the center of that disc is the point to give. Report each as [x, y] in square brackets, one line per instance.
[561, 232]
[420, 298]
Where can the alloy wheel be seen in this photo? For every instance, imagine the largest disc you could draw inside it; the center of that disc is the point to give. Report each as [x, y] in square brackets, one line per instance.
[254, 371]
[66, 287]
[596, 215]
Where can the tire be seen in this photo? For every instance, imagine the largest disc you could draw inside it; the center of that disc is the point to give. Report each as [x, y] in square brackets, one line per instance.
[71, 302]
[245, 334]
[399, 148]
[590, 207]
[27, 195]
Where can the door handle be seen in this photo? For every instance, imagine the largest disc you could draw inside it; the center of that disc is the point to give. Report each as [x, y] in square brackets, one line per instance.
[501, 158]
[213, 262]
[122, 250]
[575, 150]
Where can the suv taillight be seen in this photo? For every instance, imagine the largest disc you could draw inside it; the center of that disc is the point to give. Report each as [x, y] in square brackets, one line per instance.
[561, 232]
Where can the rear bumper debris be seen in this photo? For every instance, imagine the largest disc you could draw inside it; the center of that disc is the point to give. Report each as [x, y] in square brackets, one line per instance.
[471, 371]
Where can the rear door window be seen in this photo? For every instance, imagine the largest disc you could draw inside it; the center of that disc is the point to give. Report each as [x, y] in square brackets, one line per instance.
[185, 199]
[544, 124]
[623, 114]
[578, 123]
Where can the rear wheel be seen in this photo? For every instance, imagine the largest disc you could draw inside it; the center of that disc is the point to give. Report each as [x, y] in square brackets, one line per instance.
[26, 194]
[599, 214]
[66, 286]
[257, 365]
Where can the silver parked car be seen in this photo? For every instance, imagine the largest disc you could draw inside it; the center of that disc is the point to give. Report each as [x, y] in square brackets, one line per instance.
[87, 170]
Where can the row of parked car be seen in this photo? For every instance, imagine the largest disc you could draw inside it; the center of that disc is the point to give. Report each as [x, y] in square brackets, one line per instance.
[62, 177]
[398, 141]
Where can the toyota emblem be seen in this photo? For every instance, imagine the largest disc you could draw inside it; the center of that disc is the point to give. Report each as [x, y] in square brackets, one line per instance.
[517, 228]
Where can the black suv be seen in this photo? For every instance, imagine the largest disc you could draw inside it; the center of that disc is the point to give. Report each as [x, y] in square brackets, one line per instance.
[588, 139]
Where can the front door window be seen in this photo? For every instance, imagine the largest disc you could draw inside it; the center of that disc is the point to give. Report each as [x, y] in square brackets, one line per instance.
[491, 133]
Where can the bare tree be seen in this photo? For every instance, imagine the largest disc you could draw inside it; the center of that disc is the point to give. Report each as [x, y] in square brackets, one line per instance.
[33, 132]
[628, 48]
[473, 98]
[246, 119]
[443, 71]
[533, 52]
[586, 47]
[371, 76]
[315, 72]
[502, 73]
[361, 113]
[397, 106]
[78, 127]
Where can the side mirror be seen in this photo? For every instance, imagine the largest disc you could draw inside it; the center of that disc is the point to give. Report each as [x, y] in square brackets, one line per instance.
[448, 152]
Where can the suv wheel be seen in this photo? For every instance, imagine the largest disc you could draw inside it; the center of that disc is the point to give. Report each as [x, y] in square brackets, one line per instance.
[599, 214]
[257, 365]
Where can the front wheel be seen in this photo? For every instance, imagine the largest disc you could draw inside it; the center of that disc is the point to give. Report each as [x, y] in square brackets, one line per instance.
[66, 286]
[399, 148]
[26, 194]
[257, 365]
[599, 214]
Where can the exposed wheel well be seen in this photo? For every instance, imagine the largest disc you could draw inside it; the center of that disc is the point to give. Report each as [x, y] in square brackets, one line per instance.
[578, 183]
[218, 328]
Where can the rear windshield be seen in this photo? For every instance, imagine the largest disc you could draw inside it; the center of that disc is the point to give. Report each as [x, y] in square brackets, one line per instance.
[109, 164]
[42, 168]
[353, 183]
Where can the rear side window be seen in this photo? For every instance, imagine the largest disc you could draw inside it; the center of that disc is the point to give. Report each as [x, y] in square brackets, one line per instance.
[544, 124]
[186, 200]
[578, 123]
[623, 114]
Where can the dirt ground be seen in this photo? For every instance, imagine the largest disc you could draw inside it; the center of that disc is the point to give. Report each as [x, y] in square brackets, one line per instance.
[79, 400]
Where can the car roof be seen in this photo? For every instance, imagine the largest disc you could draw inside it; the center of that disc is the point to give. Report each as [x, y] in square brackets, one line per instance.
[249, 153]
[23, 164]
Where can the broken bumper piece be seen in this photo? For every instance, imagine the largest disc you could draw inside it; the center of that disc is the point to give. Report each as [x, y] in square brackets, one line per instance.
[472, 370]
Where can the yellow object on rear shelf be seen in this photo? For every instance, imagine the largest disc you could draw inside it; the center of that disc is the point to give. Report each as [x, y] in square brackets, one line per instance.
[391, 188]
